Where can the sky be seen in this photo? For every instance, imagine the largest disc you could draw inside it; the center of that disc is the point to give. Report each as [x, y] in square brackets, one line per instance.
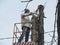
[10, 12]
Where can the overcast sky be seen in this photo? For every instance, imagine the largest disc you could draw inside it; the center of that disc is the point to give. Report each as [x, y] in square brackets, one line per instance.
[10, 11]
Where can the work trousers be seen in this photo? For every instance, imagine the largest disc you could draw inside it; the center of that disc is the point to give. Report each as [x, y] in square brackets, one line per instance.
[25, 32]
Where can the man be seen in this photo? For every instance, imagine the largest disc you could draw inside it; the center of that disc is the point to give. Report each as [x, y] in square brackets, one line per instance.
[26, 25]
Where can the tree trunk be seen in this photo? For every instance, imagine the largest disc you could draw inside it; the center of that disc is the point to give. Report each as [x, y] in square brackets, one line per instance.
[58, 22]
